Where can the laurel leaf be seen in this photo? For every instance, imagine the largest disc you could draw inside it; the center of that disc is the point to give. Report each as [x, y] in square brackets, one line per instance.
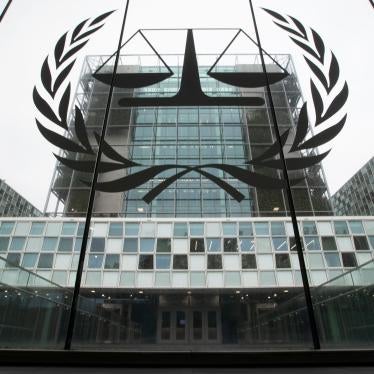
[288, 29]
[302, 128]
[337, 103]
[77, 30]
[296, 163]
[319, 45]
[88, 166]
[324, 136]
[73, 51]
[87, 33]
[305, 47]
[112, 154]
[80, 130]
[318, 73]
[46, 76]
[59, 140]
[275, 15]
[334, 72]
[318, 103]
[300, 26]
[59, 49]
[45, 109]
[152, 194]
[133, 180]
[101, 17]
[64, 105]
[273, 150]
[61, 77]
[248, 177]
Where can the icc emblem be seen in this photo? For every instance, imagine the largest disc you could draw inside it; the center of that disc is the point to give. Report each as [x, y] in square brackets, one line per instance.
[325, 82]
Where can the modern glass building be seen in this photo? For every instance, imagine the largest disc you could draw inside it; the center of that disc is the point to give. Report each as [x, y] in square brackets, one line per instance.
[12, 204]
[188, 218]
[356, 196]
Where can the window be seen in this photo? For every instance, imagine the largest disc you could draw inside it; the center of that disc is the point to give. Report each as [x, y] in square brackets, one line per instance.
[328, 243]
[262, 228]
[356, 227]
[229, 229]
[146, 262]
[111, 262]
[349, 260]
[245, 229]
[49, 244]
[332, 260]
[163, 245]
[361, 243]
[180, 262]
[180, 229]
[341, 228]
[13, 260]
[312, 243]
[131, 229]
[249, 261]
[196, 229]
[280, 243]
[147, 245]
[130, 245]
[4, 242]
[213, 245]
[197, 245]
[68, 228]
[95, 261]
[115, 229]
[163, 261]
[37, 228]
[282, 261]
[29, 260]
[17, 243]
[230, 245]
[214, 262]
[247, 244]
[309, 228]
[45, 261]
[97, 244]
[6, 228]
[277, 228]
[263, 245]
[65, 245]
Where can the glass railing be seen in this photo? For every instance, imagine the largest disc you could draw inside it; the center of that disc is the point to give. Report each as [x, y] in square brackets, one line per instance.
[343, 307]
[34, 312]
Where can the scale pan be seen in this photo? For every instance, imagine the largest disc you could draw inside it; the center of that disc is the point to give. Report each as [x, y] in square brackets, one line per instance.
[248, 80]
[132, 80]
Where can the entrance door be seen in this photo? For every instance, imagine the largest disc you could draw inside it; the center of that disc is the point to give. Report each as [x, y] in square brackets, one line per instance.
[189, 326]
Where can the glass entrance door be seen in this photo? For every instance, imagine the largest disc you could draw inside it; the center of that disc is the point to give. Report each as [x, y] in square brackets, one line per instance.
[176, 326]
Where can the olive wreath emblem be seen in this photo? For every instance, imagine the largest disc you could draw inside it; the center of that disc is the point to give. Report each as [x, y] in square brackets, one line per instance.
[57, 67]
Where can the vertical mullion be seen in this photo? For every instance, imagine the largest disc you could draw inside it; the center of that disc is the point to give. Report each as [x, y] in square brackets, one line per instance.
[304, 275]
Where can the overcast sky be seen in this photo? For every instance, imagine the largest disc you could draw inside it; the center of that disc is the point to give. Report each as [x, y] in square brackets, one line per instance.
[31, 28]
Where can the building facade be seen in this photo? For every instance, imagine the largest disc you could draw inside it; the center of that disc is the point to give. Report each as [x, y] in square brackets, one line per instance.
[12, 204]
[356, 196]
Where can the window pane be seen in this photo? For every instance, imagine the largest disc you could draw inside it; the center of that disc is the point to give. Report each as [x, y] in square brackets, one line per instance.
[68, 228]
[146, 262]
[229, 229]
[249, 261]
[163, 261]
[196, 229]
[349, 260]
[309, 228]
[115, 229]
[245, 229]
[277, 228]
[312, 243]
[230, 245]
[97, 244]
[45, 261]
[49, 244]
[262, 228]
[29, 260]
[341, 228]
[361, 243]
[180, 262]
[65, 245]
[247, 244]
[356, 227]
[282, 261]
[111, 262]
[214, 262]
[95, 261]
[37, 228]
[147, 245]
[328, 243]
[130, 245]
[132, 229]
[213, 244]
[4, 242]
[163, 245]
[13, 260]
[180, 229]
[333, 260]
[17, 243]
[197, 245]
[280, 243]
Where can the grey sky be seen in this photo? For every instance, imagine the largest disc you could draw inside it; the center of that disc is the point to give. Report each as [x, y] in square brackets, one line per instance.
[31, 28]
